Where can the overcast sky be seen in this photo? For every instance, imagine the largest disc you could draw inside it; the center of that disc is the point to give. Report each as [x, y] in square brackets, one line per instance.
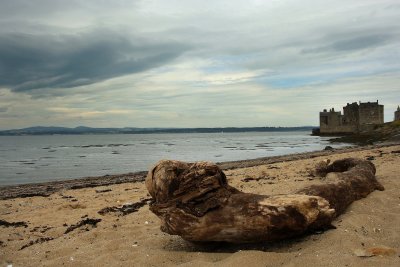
[194, 63]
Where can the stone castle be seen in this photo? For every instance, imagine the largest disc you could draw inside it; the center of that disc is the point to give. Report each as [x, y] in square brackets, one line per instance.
[397, 114]
[356, 117]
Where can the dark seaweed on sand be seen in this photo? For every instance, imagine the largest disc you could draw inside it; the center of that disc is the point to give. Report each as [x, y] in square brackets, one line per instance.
[125, 209]
[86, 221]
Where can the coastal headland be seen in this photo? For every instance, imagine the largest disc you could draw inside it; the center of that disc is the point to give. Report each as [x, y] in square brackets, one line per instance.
[106, 221]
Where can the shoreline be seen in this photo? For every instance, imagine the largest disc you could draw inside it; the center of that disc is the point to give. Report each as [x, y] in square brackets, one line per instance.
[46, 189]
[112, 225]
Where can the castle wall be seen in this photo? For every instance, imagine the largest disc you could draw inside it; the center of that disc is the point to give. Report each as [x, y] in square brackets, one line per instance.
[342, 129]
[351, 114]
[371, 113]
[397, 115]
[331, 122]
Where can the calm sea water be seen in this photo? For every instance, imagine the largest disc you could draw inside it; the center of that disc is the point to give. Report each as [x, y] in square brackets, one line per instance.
[31, 159]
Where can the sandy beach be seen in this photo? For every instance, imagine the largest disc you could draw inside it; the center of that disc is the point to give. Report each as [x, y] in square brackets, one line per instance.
[87, 225]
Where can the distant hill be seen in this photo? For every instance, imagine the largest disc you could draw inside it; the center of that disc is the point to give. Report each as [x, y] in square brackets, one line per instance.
[42, 130]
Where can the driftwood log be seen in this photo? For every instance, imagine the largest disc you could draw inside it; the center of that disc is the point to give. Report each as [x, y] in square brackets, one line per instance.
[194, 201]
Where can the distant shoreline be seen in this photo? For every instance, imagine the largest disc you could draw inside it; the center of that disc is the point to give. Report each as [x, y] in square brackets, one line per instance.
[47, 188]
[40, 130]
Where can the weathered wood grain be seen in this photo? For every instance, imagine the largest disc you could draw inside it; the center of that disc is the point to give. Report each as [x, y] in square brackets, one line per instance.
[194, 200]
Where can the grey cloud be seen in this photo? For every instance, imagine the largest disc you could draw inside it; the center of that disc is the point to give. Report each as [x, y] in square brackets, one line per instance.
[3, 109]
[361, 42]
[30, 62]
[351, 43]
[39, 8]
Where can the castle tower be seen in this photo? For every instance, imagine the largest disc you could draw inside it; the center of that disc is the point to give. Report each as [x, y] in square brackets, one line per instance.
[370, 113]
[397, 114]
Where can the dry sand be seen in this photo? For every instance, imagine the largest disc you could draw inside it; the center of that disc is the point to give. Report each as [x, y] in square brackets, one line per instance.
[136, 240]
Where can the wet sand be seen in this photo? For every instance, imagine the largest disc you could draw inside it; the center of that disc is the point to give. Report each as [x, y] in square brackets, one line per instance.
[63, 226]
